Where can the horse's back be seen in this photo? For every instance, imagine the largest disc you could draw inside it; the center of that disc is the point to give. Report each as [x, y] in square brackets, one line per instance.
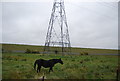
[39, 61]
[42, 62]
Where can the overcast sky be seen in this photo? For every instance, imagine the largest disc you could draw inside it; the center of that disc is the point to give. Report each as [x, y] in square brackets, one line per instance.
[91, 24]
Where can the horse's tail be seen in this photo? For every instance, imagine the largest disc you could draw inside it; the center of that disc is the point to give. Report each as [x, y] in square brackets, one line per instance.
[35, 64]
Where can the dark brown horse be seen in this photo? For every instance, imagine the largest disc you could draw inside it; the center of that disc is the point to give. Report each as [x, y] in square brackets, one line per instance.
[46, 63]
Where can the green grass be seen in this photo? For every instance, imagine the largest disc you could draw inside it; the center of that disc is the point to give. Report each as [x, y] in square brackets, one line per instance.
[12, 47]
[20, 66]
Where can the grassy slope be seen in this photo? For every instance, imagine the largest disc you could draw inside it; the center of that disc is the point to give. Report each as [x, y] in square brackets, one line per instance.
[11, 47]
[20, 66]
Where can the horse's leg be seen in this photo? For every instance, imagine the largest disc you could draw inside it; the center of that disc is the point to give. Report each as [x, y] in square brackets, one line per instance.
[37, 69]
[50, 69]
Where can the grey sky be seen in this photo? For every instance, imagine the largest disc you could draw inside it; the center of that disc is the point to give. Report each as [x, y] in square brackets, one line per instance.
[91, 24]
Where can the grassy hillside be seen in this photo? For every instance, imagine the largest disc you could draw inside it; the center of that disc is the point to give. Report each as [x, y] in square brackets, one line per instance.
[11, 47]
[18, 47]
[20, 66]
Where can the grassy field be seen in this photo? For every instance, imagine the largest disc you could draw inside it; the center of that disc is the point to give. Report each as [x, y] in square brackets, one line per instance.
[17, 47]
[20, 66]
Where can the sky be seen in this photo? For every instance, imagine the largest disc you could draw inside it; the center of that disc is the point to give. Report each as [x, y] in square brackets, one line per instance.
[91, 24]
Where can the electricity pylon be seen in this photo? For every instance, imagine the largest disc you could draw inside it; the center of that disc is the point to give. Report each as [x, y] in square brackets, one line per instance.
[57, 39]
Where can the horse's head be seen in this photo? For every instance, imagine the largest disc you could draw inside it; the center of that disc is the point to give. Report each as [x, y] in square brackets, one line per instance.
[60, 61]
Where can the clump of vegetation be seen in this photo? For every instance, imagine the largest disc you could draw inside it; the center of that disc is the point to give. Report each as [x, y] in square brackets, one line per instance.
[2, 50]
[84, 53]
[56, 51]
[24, 60]
[28, 51]
[35, 52]
[32, 51]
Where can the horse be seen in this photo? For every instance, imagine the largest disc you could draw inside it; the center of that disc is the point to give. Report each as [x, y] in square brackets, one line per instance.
[46, 64]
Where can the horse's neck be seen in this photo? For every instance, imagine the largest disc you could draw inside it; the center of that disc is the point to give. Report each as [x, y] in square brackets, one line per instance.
[55, 62]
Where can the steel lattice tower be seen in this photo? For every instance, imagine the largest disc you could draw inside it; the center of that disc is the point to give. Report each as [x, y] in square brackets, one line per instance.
[57, 34]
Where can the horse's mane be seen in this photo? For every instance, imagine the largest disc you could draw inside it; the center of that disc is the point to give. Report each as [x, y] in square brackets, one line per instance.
[49, 59]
